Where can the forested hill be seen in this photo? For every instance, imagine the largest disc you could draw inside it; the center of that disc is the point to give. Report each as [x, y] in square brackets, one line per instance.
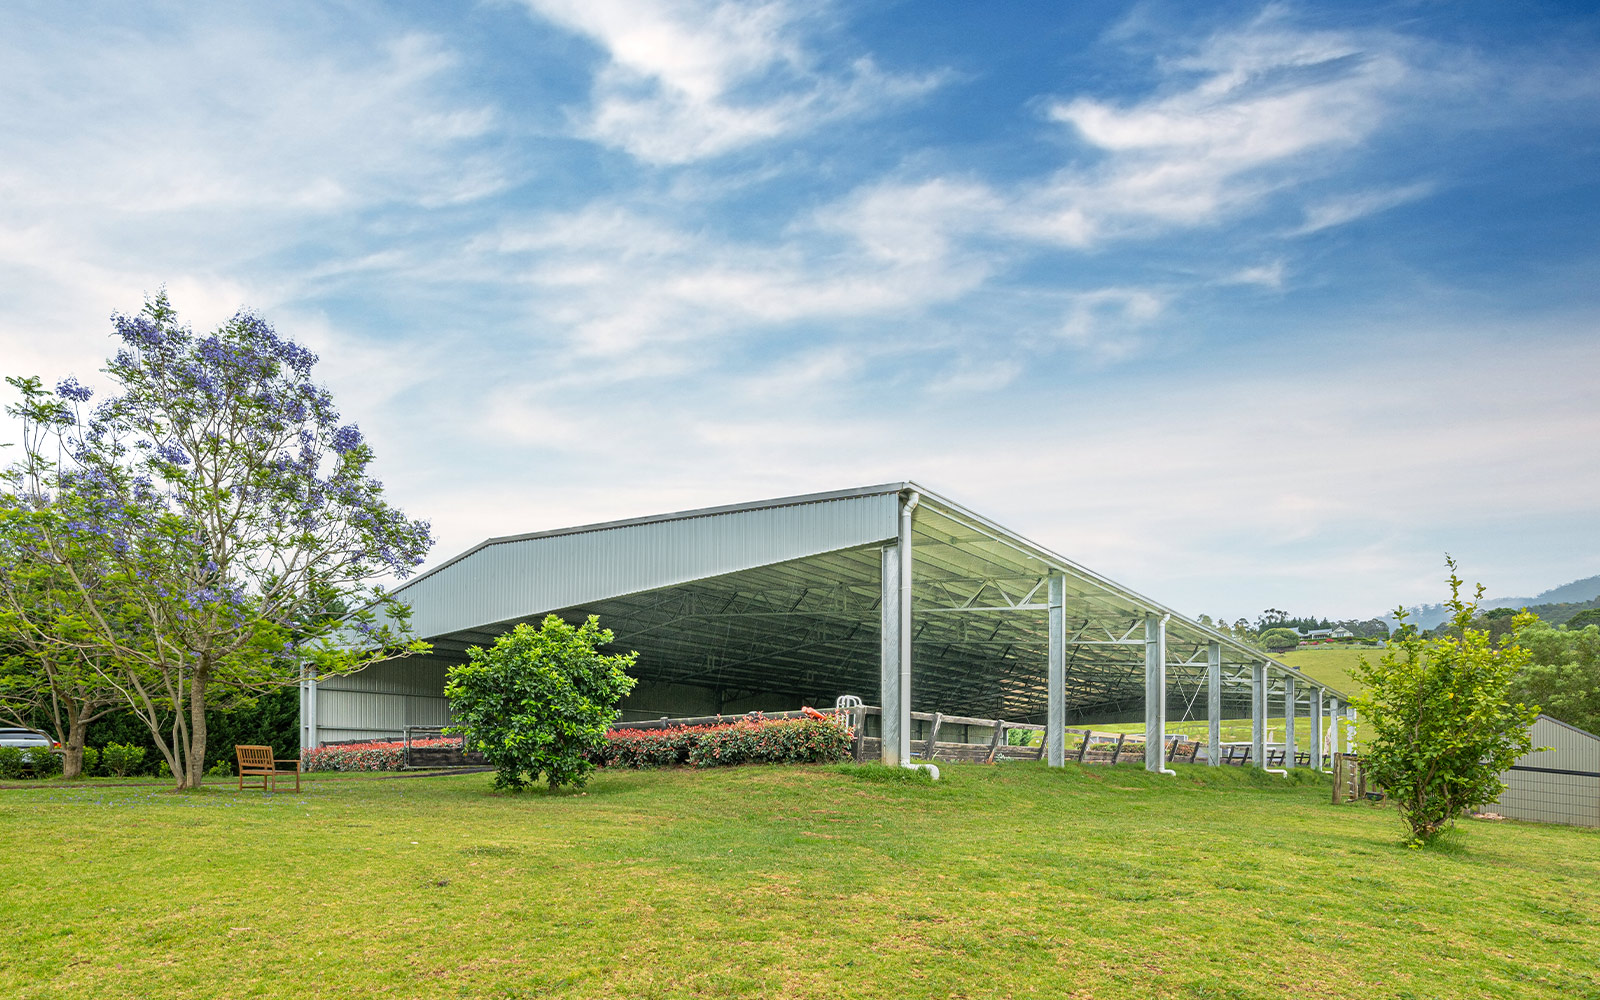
[1555, 605]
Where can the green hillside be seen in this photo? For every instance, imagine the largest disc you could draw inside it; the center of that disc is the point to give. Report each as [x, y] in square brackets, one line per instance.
[1001, 881]
[1332, 666]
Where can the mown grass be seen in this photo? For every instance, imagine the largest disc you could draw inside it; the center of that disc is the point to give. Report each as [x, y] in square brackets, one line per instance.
[1004, 881]
[1233, 730]
[1334, 666]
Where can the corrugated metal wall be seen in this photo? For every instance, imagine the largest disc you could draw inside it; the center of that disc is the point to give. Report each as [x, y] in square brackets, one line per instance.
[1559, 785]
[521, 578]
[382, 700]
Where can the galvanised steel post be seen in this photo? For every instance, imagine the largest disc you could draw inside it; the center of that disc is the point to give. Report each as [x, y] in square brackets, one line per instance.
[905, 634]
[1214, 704]
[889, 659]
[1258, 714]
[1155, 693]
[1289, 695]
[1317, 731]
[1055, 723]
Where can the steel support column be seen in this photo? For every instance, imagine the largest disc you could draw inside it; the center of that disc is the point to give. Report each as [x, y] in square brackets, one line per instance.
[1289, 695]
[896, 707]
[1155, 692]
[1214, 704]
[1055, 723]
[1318, 731]
[1258, 714]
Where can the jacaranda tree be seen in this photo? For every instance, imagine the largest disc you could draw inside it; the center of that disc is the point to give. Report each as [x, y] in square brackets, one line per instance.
[1438, 724]
[48, 675]
[539, 701]
[202, 514]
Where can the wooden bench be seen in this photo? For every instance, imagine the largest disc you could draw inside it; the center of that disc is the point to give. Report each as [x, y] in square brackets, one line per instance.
[257, 762]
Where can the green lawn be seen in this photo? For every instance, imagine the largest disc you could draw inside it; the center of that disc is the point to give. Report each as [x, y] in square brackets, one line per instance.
[1333, 666]
[1233, 730]
[1002, 881]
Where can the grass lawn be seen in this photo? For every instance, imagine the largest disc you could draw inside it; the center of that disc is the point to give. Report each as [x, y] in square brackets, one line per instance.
[1333, 666]
[1003, 881]
[1233, 730]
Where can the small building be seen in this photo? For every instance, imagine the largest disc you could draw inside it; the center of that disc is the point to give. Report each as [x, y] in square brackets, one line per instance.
[1557, 785]
[1340, 632]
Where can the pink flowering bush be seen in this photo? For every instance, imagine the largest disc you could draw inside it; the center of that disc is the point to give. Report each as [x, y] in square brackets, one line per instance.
[747, 741]
[381, 755]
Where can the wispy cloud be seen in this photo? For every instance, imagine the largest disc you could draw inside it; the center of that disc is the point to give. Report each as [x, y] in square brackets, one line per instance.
[621, 282]
[202, 153]
[687, 80]
[1345, 208]
[1109, 324]
[1269, 275]
[1243, 115]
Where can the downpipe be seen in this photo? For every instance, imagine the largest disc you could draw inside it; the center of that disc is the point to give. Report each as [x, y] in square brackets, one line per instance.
[932, 769]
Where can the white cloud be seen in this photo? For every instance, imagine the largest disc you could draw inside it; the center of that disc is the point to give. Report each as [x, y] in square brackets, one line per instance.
[619, 282]
[1268, 275]
[972, 376]
[1245, 114]
[1349, 207]
[686, 80]
[1109, 323]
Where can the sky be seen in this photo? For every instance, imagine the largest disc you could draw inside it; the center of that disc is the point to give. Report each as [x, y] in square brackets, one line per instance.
[1241, 305]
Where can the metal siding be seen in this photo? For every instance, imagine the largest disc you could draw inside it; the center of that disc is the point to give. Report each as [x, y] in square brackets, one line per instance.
[382, 700]
[1555, 798]
[526, 577]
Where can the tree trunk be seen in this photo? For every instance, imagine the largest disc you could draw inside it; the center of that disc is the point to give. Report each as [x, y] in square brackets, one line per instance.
[72, 761]
[197, 730]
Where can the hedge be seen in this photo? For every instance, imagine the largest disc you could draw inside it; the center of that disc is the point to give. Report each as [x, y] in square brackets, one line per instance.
[386, 755]
[752, 741]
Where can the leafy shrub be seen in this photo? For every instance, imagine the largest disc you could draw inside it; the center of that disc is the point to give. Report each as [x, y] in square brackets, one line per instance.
[748, 741]
[539, 701]
[122, 758]
[221, 769]
[379, 755]
[41, 762]
[1438, 725]
[91, 761]
[11, 763]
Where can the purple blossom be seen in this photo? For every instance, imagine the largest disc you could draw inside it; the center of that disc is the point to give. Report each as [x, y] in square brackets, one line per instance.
[138, 331]
[172, 453]
[71, 388]
[346, 438]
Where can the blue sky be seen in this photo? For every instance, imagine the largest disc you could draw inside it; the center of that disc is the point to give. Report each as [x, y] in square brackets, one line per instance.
[1242, 305]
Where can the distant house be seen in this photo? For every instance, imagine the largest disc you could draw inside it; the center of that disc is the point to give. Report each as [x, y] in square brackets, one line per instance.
[1340, 632]
[1318, 633]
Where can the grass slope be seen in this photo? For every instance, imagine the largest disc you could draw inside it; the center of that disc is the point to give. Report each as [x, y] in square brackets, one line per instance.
[1006, 881]
[1333, 666]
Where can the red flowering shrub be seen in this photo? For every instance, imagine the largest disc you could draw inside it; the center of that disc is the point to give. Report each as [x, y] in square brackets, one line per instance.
[747, 741]
[381, 755]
